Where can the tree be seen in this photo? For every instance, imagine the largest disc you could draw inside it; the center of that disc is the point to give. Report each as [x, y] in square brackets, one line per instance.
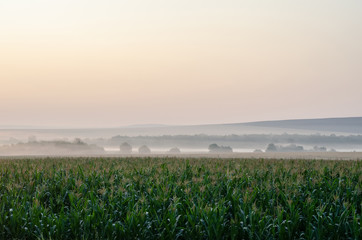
[78, 141]
[214, 148]
[174, 150]
[271, 148]
[144, 149]
[319, 149]
[125, 148]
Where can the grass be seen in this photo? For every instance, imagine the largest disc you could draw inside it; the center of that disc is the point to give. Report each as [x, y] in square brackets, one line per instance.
[166, 198]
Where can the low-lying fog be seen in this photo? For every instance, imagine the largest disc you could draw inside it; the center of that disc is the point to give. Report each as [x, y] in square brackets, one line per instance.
[201, 143]
[300, 136]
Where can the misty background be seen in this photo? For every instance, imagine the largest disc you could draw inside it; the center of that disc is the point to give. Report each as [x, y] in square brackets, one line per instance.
[308, 135]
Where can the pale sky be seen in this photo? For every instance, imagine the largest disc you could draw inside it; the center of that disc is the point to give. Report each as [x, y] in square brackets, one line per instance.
[109, 63]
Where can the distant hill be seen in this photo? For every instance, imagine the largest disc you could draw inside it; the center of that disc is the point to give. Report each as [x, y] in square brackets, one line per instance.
[326, 126]
[351, 125]
[145, 126]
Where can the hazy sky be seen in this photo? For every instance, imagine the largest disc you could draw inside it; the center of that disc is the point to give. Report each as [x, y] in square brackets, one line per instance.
[111, 63]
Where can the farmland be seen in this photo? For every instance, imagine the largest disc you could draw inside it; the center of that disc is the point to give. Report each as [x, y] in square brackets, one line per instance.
[175, 198]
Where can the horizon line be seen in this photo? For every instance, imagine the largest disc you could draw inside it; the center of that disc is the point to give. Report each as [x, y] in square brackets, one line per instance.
[155, 125]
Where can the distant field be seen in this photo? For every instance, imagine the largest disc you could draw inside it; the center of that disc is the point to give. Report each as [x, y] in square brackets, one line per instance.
[179, 198]
[252, 155]
[205, 155]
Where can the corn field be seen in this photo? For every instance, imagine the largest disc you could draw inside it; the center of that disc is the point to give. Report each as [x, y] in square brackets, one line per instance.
[169, 198]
